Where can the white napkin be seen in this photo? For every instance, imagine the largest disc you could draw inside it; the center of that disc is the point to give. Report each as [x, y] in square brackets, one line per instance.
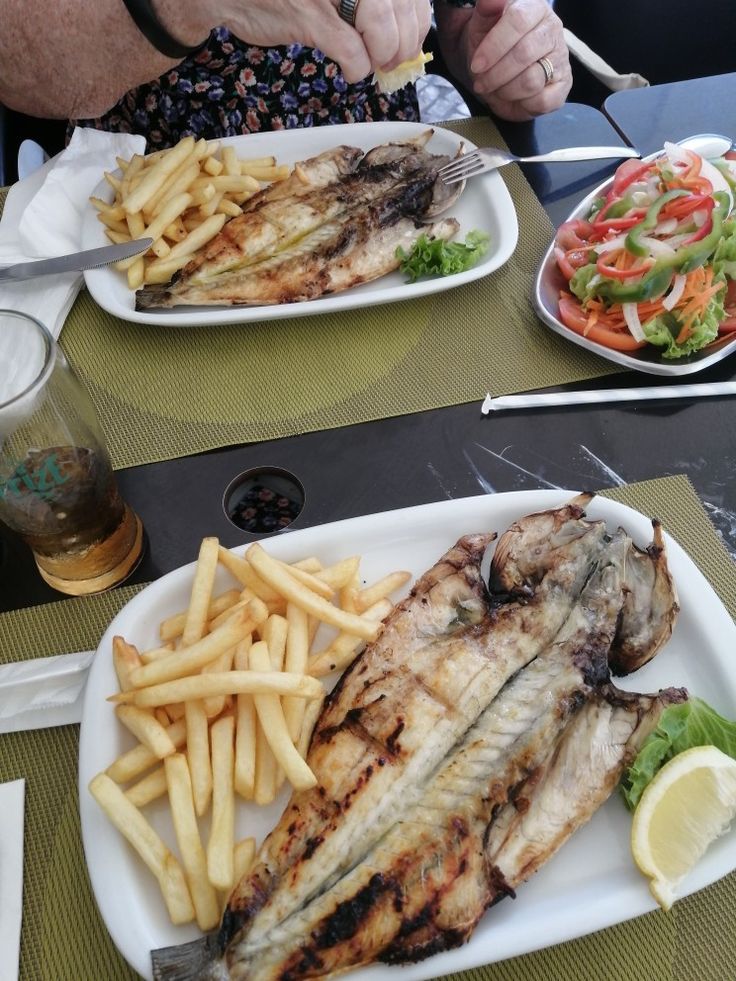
[43, 218]
[46, 691]
[11, 876]
[597, 67]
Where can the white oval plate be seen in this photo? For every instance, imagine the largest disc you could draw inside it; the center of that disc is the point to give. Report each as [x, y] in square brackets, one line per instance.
[590, 884]
[546, 295]
[485, 204]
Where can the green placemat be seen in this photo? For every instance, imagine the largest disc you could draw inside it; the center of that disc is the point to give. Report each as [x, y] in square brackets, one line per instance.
[168, 392]
[64, 939]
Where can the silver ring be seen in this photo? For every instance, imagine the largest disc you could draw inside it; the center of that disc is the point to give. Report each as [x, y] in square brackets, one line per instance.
[347, 10]
[549, 70]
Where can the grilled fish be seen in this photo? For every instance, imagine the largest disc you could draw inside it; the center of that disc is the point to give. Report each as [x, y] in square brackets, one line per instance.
[466, 704]
[335, 223]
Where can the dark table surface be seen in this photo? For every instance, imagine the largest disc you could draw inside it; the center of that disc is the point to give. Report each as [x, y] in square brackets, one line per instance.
[455, 452]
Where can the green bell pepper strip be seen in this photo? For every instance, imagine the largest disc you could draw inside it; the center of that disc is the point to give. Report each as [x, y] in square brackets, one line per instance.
[684, 260]
[649, 223]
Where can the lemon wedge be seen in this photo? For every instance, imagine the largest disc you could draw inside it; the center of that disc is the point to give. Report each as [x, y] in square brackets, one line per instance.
[689, 803]
[397, 78]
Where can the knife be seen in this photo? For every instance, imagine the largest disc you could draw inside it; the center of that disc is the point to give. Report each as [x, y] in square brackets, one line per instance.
[75, 262]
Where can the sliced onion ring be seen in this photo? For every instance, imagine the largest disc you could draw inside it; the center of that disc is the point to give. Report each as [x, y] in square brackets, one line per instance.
[631, 316]
[673, 297]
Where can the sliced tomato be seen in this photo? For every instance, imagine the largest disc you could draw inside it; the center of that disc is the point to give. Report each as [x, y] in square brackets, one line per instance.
[728, 325]
[574, 317]
[573, 234]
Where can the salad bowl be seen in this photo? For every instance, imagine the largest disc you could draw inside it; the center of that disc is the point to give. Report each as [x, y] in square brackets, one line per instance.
[649, 359]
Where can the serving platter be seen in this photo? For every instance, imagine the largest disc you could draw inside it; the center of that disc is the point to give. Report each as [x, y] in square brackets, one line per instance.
[590, 884]
[485, 205]
[545, 296]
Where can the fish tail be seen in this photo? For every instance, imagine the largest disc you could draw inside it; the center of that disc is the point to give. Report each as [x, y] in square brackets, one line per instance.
[152, 296]
[198, 960]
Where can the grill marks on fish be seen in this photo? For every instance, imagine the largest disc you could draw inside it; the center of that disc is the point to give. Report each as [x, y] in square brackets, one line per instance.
[441, 751]
[337, 223]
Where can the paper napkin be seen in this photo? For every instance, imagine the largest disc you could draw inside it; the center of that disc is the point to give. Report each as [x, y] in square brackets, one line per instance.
[11, 876]
[43, 692]
[43, 218]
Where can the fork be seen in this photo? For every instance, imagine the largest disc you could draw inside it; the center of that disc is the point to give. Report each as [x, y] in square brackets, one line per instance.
[488, 158]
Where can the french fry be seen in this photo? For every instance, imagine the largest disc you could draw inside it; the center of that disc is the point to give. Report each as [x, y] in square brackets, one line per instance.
[214, 706]
[193, 856]
[281, 579]
[210, 207]
[212, 166]
[243, 855]
[201, 594]
[112, 223]
[198, 754]
[246, 574]
[266, 173]
[245, 730]
[315, 583]
[344, 647]
[311, 713]
[161, 270]
[221, 683]
[149, 788]
[229, 208]
[224, 182]
[176, 183]
[379, 590]
[155, 175]
[136, 273]
[147, 730]
[310, 564]
[156, 653]
[133, 826]
[271, 717]
[183, 662]
[139, 759]
[125, 657]
[161, 248]
[176, 231]
[274, 633]
[230, 162]
[264, 790]
[340, 574]
[199, 237]
[162, 716]
[220, 846]
[296, 661]
[114, 211]
[136, 224]
[117, 237]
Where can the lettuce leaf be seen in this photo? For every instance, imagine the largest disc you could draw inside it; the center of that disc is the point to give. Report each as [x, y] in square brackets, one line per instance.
[664, 329]
[439, 258]
[692, 723]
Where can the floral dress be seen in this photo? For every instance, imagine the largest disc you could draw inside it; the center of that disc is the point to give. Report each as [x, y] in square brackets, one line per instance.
[229, 87]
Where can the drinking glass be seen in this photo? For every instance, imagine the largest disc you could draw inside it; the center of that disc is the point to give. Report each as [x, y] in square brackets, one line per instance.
[57, 488]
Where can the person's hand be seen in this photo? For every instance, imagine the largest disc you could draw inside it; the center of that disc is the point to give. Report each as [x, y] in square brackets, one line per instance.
[386, 32]
[393, 30]
[504, 42]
